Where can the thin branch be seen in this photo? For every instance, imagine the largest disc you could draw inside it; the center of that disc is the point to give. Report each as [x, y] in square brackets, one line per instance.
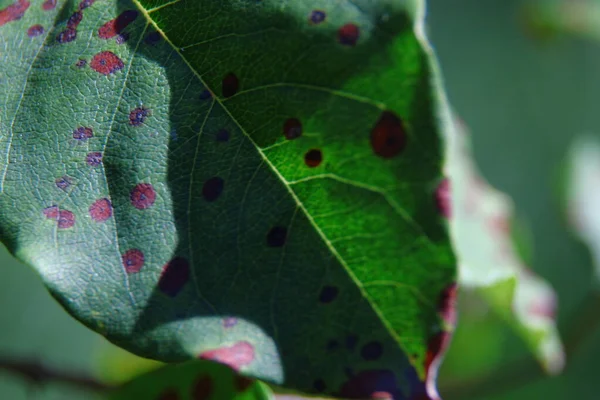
[40, 374]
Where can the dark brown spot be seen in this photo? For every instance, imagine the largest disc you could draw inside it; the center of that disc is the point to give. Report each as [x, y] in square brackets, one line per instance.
[348, 34]
[106, 63]
[83, 133]
[212, 188]
[242, 383]
[66, 36]
[122, 38]
[142, 196]
[114, 27]
[205, 94]
[94, 159]
[75, 20]
[175, 275]
[101, 210]
[13, 12]
[230, 85]
[35, 30]
[292, 128]
[313, 158]
[317, 16]
[133, 261]
[81, 63]
[138, 116]
[328, 294]
[49, 5]
[51, 212]
[85, 4]
[388, 136]
[203, 388]
[371, 351]
[277, 236]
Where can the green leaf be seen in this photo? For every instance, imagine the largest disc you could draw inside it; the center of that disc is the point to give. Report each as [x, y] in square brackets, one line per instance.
[194, 380]
[489, 260]
[247, 182]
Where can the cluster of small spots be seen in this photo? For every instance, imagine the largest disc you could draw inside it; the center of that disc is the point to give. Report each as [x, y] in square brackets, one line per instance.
[49, 5]
[175, 274]
[83, 133]
[212, 188]
[115, 26]
[101, 210]
[230, 85]
[94, 159]
[371, 351]
[202, 388]
[106, 63]
[229, 322]
[388, 136]
[81, 63]
[142, 196]
[236, 356]
[65, 219]
[133, 261]
[70, 33]
[13, 12]
[222, 135]
[292, 128]
[138, 115]
[63, 182]
[348, 34]
[328, 294]
[277, 236]
[205, 94]
[317, 16]
[35, 30]
[153, 38]
[443, 198]
[313, 158]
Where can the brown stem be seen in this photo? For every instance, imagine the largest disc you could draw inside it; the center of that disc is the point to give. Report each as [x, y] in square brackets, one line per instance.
[40, 374]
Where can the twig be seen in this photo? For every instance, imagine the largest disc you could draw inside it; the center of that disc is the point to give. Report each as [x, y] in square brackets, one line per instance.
[40, 374]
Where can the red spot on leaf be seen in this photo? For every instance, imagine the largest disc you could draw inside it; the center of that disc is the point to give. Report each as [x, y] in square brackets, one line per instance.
[13, 12]
[230, 85]
[113, 27]
[236, 356]
[133, 261]
[106, 63]
[64, 218]
[348, 34]
[203, 388]
[142, 196]
[313, 158]
[443, 198]
[49, 5]
[101, 210]
[388, 136]
[94, 159]
[175, 275]
[82, 133]
[51, 212]
[138, 115]
[35, 30]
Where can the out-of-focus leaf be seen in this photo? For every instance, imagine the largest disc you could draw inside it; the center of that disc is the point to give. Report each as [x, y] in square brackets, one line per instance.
[488, 261]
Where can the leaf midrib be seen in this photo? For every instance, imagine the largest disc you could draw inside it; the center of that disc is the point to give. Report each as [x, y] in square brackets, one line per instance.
[266, 160]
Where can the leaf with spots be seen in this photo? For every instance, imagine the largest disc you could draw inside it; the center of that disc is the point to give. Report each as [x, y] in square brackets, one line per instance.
[195, 380]
[251, 183]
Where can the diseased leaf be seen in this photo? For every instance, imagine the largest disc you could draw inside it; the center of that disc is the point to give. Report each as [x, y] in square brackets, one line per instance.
[246, 182]
[488, 260]
[198, 379]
